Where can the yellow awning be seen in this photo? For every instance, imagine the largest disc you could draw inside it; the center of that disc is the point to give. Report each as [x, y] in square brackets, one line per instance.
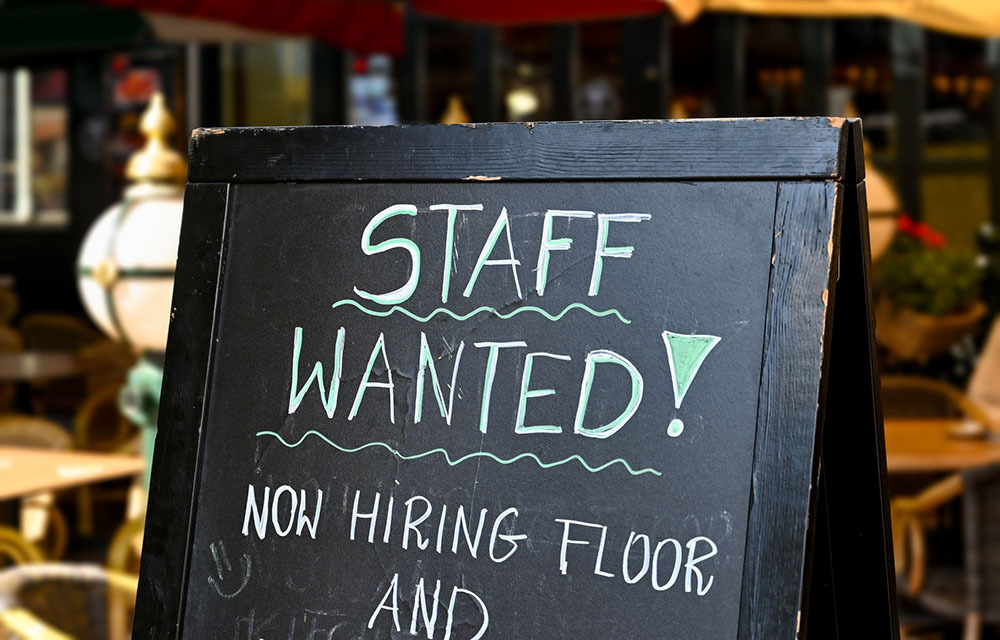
[977, 18]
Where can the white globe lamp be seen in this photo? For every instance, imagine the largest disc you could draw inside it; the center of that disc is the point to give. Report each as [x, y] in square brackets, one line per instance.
[126, 262]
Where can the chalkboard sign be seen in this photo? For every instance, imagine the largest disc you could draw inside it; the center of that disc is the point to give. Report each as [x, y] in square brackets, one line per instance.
[553, 380]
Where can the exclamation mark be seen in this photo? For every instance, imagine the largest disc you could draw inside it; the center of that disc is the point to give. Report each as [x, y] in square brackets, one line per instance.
[685, 354]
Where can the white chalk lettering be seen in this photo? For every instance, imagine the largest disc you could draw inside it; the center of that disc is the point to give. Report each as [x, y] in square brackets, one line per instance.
[393, 592]
[690, 568]
[373, 516]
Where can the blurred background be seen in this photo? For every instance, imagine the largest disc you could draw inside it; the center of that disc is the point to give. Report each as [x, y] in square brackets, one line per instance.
[98, 99]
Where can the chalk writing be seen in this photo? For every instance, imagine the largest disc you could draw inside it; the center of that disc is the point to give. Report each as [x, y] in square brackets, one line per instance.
[452, 462]
[611, 392]
[218, 550]
[484, 309]
[685, 354]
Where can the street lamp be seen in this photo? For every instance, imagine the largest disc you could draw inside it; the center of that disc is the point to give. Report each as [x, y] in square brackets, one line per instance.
[126, 264]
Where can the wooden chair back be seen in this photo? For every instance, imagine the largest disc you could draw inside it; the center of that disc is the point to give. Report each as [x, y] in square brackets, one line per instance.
[31, 431]
[15, 549]
[10, 340]
[61, 601]
[981, 524]
[917, 397]
[98, 424]
[9, 305]
[41, 520]
[57, 332]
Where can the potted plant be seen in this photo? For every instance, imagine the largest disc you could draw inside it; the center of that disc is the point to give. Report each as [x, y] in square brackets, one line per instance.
[928, 293]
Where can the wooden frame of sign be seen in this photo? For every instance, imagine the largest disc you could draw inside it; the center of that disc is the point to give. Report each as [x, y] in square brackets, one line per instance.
[765, 518]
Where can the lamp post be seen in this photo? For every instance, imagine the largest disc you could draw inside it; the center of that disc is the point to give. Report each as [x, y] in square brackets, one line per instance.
[126, 265]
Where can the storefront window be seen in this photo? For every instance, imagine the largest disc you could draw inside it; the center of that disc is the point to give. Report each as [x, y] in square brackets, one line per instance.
[266, 83]
[372, 98]
[33, 147]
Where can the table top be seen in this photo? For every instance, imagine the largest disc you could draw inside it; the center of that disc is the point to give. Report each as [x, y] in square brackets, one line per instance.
[926, 446]
[26, 471]
[40, 365]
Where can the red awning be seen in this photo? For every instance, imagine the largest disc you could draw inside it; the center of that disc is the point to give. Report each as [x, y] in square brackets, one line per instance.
[523, 12]
[363, 26]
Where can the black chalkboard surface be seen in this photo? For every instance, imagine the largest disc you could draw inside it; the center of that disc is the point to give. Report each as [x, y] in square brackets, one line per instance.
[553, 380]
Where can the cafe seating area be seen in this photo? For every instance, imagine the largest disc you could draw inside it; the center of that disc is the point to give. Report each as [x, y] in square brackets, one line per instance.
[71, 478]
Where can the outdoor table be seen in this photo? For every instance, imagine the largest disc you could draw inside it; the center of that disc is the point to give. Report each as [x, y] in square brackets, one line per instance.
[25, 471]
[927, 446]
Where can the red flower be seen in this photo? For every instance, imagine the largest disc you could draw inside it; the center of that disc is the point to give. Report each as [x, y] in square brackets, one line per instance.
[933, 239]
[906, 225]
[928, 236]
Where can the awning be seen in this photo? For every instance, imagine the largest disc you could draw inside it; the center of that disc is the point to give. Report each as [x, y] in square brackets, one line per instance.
[363, 26]
[975, 18]
[367, 26]
[33, 28]
[526, 12]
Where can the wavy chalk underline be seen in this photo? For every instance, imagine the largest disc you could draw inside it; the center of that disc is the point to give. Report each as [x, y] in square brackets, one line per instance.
[478, 454]
[502, 316]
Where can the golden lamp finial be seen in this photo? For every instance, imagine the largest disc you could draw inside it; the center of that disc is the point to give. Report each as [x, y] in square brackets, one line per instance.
[156, 161]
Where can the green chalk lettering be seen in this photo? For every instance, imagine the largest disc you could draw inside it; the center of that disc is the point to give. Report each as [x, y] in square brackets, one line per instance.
[379, 348]
[685, 355]
[604, 251]
[469, 456]
[502, 224]
[403, 293]
[462, 318]
[549, 244]
[427, 363]
[534, 393]
[296, 394]
[449, 243]
[593, 359]
[491, 371]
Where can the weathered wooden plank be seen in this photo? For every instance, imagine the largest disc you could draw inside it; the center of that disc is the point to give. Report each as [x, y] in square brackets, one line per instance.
[795, 362]
[166, 541]
[784, 148]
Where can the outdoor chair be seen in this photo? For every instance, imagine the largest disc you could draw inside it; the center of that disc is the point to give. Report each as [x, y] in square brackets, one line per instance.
[9, 305]
[61, 333]
[57, 332]
[99, 426]
[123, 557]
[10, 342]
[40, 517]
[15, 549]
[970, 592]
[916, 397]
[62, 602]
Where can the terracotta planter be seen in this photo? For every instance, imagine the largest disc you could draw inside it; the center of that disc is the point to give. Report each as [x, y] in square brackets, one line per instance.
[911, 335]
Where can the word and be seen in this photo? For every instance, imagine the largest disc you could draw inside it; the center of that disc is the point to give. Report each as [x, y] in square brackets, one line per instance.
[428, 613]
